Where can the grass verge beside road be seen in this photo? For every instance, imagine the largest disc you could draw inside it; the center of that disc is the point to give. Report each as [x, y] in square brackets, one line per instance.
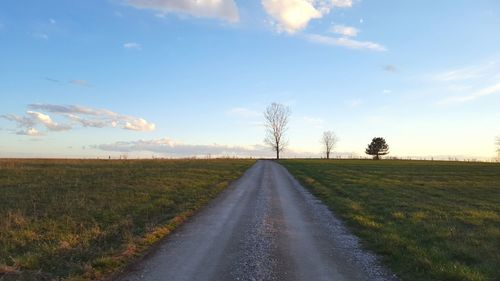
[84, 219]
[428, 220]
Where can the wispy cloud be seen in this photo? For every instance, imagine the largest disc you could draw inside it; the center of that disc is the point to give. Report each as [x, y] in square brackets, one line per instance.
[33, 119]
[73, 109]
[467, 83]
[220, 9]
[345, 42]
[21, 121]
[74, 115]
[132, 46]
[345, 30]
[473, 96]
[465, 73]
[294, 15]
[101, 117]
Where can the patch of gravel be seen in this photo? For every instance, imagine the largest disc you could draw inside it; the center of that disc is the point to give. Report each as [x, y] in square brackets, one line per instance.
[255, 260]
[345, 242]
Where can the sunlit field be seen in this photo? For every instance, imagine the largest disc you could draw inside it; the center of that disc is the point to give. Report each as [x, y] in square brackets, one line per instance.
[83, 219]
[429, 220]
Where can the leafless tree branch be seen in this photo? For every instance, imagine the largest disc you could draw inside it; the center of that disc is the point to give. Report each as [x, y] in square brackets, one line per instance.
[276, 121]
[329, 140]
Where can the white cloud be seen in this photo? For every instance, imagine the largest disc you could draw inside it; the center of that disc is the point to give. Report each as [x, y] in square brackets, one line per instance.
[345, 42]
[33, 119]
[32, 132]
[95, 123]
[475, 95]
[294, 15]
[100, 117]
[77, 115]
[221, 9]
[139, 124]
[47, 121]
[386, 91]
[345, 30]
[291, 15]
[243, 112]
[342, 3]
[52, 21]
[132, 46]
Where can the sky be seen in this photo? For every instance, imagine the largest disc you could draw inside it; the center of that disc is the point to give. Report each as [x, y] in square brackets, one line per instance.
[177, 78]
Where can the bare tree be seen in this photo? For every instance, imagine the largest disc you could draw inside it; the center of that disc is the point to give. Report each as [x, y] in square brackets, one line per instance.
[276, 121]
[329, 140]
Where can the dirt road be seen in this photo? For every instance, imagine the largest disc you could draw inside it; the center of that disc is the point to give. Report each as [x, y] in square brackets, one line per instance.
[265, 226]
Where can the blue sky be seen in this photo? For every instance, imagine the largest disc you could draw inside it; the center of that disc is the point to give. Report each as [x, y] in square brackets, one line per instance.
[184, 77]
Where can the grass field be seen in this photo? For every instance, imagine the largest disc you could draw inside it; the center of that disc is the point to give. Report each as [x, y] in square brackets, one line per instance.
[83, 219]
[428, 220]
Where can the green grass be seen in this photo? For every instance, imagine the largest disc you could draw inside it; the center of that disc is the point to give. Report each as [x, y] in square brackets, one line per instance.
[84, 219]
[428, 220]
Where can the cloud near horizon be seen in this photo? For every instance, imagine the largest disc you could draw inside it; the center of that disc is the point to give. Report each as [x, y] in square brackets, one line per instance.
[74, 115]
[226, 10]
[32, 132]
[169, 147]
[294, 15]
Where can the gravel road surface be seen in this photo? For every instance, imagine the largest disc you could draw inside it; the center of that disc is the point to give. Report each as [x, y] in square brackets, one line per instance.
[265, 226]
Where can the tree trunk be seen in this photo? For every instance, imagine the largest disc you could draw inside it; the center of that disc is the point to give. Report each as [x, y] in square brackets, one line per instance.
[277, 154]
[328, 155]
